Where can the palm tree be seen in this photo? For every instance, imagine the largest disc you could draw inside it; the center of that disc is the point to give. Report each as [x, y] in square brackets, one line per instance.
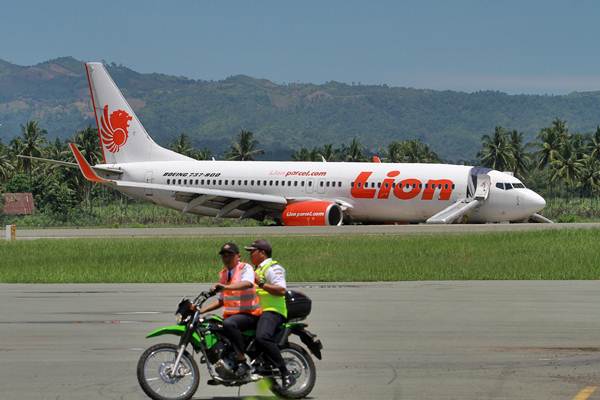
[87, 142]
[328, 152]
[6, 165]
[354, 152]
[15, 148]
[413, 151]
[301, 155]
[496, 151]
[244, 149]
[182, 145]
[33, 141]
[594, 144]
[550, 141]
[394, 152]
[521, 158]
[590, 176]
[203, 154]
[567, 166]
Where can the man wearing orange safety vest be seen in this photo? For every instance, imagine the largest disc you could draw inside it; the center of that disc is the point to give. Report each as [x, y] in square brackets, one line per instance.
[237, 296]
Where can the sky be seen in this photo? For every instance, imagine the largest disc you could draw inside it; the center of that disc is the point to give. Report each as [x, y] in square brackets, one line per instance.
[545, 47]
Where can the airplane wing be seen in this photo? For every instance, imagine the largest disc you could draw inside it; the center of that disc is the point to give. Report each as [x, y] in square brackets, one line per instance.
[223, 201]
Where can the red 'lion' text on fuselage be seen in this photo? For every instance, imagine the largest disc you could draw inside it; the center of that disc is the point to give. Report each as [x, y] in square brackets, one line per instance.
[405, 189]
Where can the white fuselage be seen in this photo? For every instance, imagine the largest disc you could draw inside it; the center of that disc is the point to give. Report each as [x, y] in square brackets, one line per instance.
[338, 181]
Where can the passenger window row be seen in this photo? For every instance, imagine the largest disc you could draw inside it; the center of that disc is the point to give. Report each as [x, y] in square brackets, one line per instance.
[249, 182]
[406, 185]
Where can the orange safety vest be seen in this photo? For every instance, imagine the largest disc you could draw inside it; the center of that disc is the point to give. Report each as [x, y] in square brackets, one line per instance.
[244, 301]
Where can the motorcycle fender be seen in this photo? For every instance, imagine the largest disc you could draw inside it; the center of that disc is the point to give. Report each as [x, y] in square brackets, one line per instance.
[310, 340]
[177, 330]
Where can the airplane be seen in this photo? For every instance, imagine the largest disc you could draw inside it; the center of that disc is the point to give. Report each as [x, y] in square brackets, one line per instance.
[292, 193]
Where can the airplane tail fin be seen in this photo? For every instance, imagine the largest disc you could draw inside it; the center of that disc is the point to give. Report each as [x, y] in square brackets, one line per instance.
[123, 138]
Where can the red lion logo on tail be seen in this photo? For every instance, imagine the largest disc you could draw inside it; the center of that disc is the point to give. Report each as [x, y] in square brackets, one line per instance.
[114, 129]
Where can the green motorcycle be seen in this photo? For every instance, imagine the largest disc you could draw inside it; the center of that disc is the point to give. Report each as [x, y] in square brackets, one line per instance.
[169, 371]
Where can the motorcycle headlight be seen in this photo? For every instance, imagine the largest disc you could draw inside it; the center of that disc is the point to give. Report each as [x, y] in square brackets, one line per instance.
[178, 318]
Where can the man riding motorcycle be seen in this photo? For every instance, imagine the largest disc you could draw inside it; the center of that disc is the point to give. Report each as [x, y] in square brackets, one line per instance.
[238, 297]
[270, 279]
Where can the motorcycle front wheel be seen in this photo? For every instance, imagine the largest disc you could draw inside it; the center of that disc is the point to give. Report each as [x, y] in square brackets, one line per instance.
[155, 373]
[301, 365]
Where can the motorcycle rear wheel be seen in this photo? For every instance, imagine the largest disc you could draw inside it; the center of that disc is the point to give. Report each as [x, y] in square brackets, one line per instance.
[154, 377]
[302, 366]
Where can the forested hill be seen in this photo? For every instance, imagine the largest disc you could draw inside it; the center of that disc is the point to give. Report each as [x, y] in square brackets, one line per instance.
[284, 117]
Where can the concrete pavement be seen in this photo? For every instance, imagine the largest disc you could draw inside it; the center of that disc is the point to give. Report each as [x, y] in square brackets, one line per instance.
[291, 230]
[406, 340]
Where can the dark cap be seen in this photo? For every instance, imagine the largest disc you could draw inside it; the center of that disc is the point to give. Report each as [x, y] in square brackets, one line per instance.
[229, 247]
[260, 244]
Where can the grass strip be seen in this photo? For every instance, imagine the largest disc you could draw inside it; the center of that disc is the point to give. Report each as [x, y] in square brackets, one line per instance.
[561, 254]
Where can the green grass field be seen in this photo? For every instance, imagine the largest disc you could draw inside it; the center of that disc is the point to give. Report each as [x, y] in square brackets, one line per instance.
[564, 254]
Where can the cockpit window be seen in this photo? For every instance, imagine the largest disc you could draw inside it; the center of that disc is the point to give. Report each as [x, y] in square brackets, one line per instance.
[509, 186]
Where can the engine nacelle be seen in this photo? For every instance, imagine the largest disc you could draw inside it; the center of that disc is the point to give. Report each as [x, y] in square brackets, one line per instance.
[312, 213]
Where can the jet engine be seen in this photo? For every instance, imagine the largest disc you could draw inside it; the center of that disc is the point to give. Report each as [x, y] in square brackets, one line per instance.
[312, 213]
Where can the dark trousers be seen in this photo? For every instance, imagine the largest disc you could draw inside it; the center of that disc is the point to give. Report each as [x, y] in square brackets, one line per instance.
[233, 327]
[268, 324]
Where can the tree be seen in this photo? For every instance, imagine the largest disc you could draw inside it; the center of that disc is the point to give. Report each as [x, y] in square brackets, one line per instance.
[550, 141]
[203, 154]
[33, 140]
[590, 176]
[6, 165]
[301, 155]
[496, 151]
[244, 148]
[521, 159]
[567, 167]
[353, 152]
[328, 152]
[88, 144]
[594, 144]
[410, 151]
[182, 145]
[394, 152]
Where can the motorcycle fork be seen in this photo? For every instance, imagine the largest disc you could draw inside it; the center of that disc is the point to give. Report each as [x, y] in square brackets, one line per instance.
[185, 339]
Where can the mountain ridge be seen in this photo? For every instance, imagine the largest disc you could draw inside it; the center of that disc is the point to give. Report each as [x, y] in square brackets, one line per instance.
[284, 116]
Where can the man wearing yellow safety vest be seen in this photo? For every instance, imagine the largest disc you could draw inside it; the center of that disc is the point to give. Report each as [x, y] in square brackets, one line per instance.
[270, 279]
[238, 297]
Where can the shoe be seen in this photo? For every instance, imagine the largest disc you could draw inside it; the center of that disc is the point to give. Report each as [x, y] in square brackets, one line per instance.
[213, 382]
[288, 380]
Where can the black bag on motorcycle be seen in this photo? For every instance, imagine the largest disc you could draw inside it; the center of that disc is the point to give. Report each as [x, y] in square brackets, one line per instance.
[298, 305]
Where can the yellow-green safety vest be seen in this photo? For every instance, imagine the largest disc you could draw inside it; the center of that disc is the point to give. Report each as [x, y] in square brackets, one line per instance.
[269, 302]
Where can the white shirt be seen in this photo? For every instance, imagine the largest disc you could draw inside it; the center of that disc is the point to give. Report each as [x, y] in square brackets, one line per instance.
[275, 274]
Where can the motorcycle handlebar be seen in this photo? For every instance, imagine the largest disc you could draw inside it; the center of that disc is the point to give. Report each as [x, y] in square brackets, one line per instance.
[203, 296]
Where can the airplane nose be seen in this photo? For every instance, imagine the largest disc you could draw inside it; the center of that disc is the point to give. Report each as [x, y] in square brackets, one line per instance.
[533, 202]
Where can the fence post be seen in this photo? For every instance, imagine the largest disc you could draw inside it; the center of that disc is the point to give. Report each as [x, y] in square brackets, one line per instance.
[10, 232]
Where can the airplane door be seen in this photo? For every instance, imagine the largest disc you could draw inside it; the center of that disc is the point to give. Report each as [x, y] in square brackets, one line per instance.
[483, 187]
[149, 192]
[321, 186]
[310, 185]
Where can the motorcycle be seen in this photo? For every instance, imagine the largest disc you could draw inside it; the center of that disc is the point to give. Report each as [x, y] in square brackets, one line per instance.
[167, 371]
